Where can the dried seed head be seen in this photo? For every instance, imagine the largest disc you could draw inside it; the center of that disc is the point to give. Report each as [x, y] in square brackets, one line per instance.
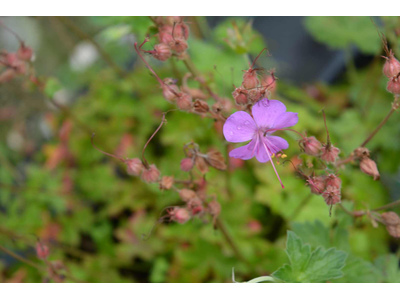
[162, 52]
[311, 146]
[180, 215]
[333, 180]
[24, 52]
[166, 182]
[42, 251]
[181, 31]
[256, 95]
[329, 153]
[184, 101]
[216, 160]
[195, 206]
[178, 45]
[151, 174]
[201, 164]
[368, 166]
[165, 37]
[391, 68]
[134, 166]
[240, 96]
[331, 195]
[187, 164]
[167, 93]
[317, 184]
[187, 195]
[172, 20]
[361, 152]
[201, 106]
[393, 86]
[392, 222]
[250, 79]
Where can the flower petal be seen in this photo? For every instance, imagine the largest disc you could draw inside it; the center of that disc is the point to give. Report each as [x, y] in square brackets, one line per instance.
[266, 112]
[239, 127]
[274, 144]
[287, 119]
[244, 152]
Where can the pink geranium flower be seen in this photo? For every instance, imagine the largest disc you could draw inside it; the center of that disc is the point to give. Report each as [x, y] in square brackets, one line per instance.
[267, 117]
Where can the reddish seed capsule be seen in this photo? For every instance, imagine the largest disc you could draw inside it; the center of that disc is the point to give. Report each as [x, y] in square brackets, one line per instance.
[25, 53]
[240, 96]
[331, 195]
[134, 166]
[195, 206]
[186, 164]
[393, 86]
[250, 79]
[311, 146]
[151, 174]
[333, 180]
[329, 153]
[178, 45]
[42, 251]
[166, 182]
[187, 195]
[316, 184]
[181, 31]
[184, 101]
[201, 106]
[368, 166]
[162, 52]
[180, 215]
[168, 90]
[391, 68]
[165, 37]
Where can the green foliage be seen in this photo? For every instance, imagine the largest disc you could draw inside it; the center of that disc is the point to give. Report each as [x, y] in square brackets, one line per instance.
[319, 265]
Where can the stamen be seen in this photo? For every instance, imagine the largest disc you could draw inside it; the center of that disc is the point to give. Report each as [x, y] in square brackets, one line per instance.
[270, 158]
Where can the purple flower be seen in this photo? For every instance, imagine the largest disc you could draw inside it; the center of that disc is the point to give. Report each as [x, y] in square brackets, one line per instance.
[268, 116]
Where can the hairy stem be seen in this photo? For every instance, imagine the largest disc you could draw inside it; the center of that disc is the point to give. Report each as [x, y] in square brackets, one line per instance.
[20, 258]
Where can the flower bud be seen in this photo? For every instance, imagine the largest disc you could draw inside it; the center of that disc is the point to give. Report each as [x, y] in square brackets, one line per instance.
[166, 182]
[216, 160]
[368, 166]
[250, 79]
[180, 215]
[187, 195]
[393, 86]
[240, 96]
[311, 146]
[151, 174]
[186, 164]
[329, 153]
[391, 68]
[178, 45]
[317, 184]
[167, 93]
[42, 251]
[184, 101]
[331, 195]
[392, 222]
[201, 106]
[25, 53]
[333, 180]
[162, 52]
[134, 166]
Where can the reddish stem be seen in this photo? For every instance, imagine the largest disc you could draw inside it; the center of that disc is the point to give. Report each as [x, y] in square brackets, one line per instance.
[254, 62]
[106, 153]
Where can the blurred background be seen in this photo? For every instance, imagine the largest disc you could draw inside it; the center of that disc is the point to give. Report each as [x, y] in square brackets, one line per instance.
[96, 220]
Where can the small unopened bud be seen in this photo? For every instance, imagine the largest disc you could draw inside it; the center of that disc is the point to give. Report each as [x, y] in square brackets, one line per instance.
[166, 182]
[151, 174]
[329, 153]
[168, 89]
[187, 164]
[250, 79]
[184, 101]
[216, 160]
[391, 68]
[201, 106]
[201, 164]
[187, 195]
[333, 180]
[178, 45]
[42, 251]
[393, 86]
[134, 166]
[368, 166]
[331, 195]
[311, 146]
[25, 53]
[240, 96]
[392, 222]
[316, 184]
[162, 52]
[180, 215]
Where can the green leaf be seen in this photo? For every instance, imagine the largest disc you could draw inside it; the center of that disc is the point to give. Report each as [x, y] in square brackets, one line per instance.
[52, 86]
[341, 32]
[389, 267]
[318, 266]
